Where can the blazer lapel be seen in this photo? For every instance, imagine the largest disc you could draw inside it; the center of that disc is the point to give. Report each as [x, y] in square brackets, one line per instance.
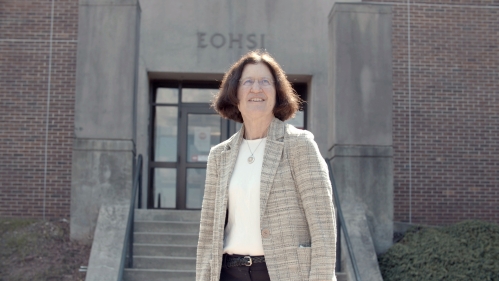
[271, 160]
[229, 156]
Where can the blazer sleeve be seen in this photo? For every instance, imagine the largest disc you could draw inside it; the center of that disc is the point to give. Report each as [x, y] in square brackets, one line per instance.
[313, 183]
[205, 242]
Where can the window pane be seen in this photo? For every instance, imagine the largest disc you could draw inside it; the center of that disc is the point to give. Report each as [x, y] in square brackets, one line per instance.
[238, 126]
[167, 95]
[203, 132]
[198, 95]
[165, 191]
[165, 128]
[298, 121]
[195, 187]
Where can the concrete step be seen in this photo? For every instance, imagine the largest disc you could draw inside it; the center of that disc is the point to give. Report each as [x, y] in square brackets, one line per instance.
[134, 274]
[164, 245]
[341, 276]
[190, 239]
[170, 263]
[167, 215]
[164, 250]
[166, 226]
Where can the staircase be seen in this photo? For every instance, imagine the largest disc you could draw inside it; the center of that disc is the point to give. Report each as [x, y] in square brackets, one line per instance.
[164, 245]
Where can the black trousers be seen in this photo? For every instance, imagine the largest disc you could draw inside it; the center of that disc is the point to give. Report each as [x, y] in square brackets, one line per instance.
[255, 272]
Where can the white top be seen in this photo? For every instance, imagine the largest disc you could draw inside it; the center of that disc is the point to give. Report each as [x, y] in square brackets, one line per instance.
[242, 233]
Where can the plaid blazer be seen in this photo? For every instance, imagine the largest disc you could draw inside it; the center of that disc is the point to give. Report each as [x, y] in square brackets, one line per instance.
[297, 220]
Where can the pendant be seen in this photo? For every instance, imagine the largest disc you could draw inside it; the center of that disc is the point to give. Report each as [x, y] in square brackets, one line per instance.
[251, 159]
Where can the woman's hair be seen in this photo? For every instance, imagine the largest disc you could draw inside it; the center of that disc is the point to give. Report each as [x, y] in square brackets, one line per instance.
[225, 101]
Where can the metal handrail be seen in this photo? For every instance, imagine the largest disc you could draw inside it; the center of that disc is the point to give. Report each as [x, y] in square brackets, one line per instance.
[128, 243]
[342, 226]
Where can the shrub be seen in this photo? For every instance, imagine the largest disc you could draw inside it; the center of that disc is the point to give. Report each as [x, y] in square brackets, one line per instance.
[465, 251]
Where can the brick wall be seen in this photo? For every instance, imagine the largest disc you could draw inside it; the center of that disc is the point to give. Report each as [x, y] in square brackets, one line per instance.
[454, 53]
[454, 111]
[26, 52]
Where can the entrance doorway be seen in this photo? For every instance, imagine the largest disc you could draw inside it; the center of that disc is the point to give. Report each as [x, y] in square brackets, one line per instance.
[183, 129]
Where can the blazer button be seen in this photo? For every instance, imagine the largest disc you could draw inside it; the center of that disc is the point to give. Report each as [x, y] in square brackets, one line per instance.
[265, 233]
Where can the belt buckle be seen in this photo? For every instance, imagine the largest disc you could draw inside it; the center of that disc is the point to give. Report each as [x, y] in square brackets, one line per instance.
[249, 261]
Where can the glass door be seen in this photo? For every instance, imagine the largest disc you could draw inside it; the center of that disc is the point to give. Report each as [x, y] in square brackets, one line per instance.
[184, 130]
[202, 128]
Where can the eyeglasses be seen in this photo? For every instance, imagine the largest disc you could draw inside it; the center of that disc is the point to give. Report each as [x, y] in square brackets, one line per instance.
[249, 82]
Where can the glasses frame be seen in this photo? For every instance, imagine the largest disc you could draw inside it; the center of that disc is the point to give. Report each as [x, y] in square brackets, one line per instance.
[260, 80]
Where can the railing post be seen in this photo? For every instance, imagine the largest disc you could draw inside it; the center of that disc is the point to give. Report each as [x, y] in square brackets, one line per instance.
[130, 243]
[137, 187]
[139, 203]
[338, 243]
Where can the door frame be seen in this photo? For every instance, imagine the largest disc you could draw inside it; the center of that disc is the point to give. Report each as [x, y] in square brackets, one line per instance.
[228, 128]
[182, 162]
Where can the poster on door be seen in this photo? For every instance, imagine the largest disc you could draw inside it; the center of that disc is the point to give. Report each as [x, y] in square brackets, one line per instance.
[202, 140]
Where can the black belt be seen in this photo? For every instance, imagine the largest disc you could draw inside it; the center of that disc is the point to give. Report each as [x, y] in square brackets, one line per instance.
[236, 260]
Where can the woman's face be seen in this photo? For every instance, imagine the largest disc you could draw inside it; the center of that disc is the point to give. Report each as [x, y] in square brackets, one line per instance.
[256, 92]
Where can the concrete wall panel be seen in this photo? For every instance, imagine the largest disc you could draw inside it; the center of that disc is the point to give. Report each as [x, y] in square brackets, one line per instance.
[102, 175]
[362, 83]
[107, 46]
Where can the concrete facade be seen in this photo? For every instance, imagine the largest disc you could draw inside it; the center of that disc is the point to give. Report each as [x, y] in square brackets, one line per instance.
[124, 45]
[203, 40]
[190, 44]
[105, 110]
[361, 113]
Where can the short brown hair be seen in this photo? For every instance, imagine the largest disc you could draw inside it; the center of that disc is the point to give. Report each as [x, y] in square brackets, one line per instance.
[225, 101]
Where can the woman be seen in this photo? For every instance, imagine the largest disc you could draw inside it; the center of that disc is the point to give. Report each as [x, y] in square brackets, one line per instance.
[267, 210]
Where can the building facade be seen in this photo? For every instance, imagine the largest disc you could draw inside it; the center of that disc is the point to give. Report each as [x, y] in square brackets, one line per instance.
[163, 61]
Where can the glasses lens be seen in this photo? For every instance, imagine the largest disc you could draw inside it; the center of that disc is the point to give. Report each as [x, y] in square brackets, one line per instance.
[248, 82]
[265, 82]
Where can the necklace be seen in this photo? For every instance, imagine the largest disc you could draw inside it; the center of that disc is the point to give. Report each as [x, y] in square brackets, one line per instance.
[251, 159]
